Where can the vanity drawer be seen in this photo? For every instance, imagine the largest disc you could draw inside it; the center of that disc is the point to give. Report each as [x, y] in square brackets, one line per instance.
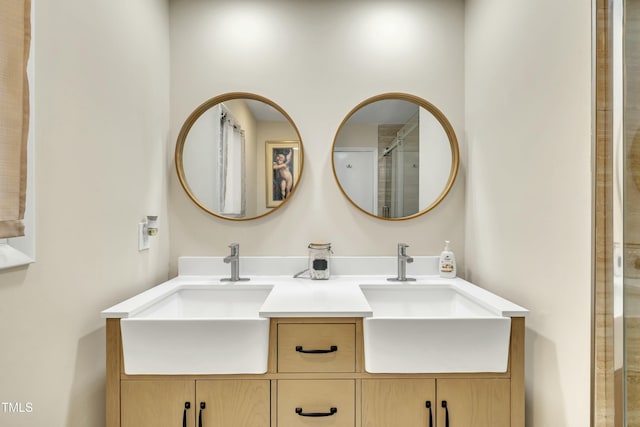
[310, 403]
[316, 347]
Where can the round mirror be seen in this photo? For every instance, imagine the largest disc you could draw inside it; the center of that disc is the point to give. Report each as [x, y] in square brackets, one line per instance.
[395, 156]
[239, 156]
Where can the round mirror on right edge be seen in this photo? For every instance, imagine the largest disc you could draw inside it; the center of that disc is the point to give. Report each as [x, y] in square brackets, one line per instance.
[395, 156]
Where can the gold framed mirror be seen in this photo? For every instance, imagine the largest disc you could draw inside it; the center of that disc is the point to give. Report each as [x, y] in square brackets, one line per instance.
[239, 156]
[395, 156]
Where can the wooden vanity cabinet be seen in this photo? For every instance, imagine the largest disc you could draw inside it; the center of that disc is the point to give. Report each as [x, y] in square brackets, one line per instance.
[187, 403]
[315, 365]
[388, 400]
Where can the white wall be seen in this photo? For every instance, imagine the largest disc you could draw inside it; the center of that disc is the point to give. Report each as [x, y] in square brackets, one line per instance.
[528, 233]
[102, 96]
[317, 60]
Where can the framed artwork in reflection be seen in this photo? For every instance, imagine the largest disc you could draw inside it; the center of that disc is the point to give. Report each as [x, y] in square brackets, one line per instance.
[282, 169]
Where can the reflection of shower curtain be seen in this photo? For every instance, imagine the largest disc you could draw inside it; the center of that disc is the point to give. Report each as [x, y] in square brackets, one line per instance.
[231, 171]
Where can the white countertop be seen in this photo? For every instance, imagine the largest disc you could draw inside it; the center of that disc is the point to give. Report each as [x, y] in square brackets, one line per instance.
[340, 296]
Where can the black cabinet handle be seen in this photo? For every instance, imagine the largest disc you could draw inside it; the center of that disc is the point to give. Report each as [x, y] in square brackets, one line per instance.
[187, 406]
[428, 405]
[446, 413]
[333, 349]
[316, 414]
[202, 406]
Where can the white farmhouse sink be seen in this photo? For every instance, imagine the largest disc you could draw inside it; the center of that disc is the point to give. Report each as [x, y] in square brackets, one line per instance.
[433, 328]
[199, 329]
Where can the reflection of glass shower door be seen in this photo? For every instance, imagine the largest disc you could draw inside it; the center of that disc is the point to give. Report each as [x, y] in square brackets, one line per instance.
[405, 172]
[626, 119]
[396, 183]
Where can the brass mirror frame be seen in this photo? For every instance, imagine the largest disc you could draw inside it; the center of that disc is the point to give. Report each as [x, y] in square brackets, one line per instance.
[453, 142]
[195, 115]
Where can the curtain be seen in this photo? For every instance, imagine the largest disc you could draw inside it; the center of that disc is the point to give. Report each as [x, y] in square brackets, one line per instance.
[232, 194]
[15, 39]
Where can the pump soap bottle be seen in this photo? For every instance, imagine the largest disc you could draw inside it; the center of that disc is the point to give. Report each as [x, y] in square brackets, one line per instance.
[447, 265]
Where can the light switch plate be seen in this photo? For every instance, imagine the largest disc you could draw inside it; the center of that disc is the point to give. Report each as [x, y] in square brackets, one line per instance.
[143, 238]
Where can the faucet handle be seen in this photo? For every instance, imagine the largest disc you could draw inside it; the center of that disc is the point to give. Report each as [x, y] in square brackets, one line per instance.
[235, 247]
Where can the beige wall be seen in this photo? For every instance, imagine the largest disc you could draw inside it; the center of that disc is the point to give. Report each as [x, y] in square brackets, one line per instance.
[317, 60]
[102, 96]
[528, 232]
[104, 150]
[358, 135]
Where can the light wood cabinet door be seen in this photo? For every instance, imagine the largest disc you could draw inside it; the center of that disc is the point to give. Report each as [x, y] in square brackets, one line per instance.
[157, 403]
[474, 402]
[398, 402]
[234, 403]
[316, 403]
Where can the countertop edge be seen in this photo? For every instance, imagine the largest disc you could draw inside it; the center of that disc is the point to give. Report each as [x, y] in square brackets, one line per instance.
[284, 301]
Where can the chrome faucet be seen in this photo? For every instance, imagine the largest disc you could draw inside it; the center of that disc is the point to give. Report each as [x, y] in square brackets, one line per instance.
[403, 259]
[234, 260]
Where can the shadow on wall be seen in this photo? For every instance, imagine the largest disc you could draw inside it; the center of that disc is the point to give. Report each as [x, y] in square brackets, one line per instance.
[14, 276]
[548, 395]
[87, 397]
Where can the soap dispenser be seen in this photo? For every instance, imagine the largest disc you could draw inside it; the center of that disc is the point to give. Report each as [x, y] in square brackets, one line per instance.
[447, 264]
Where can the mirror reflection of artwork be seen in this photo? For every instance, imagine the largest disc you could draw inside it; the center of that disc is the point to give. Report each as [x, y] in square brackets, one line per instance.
[281, 169]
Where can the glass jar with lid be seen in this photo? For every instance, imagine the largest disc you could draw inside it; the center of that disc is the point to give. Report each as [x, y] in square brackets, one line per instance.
[319, 257]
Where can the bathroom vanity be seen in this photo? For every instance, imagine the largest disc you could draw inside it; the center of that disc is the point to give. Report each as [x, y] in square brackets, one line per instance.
[275, 351]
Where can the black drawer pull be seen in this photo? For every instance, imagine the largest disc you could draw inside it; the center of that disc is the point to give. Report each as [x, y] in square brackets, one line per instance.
[428, 405]
[446, 416]
[333, 349]
[187, 406]
[202, 406]
[316, 414]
